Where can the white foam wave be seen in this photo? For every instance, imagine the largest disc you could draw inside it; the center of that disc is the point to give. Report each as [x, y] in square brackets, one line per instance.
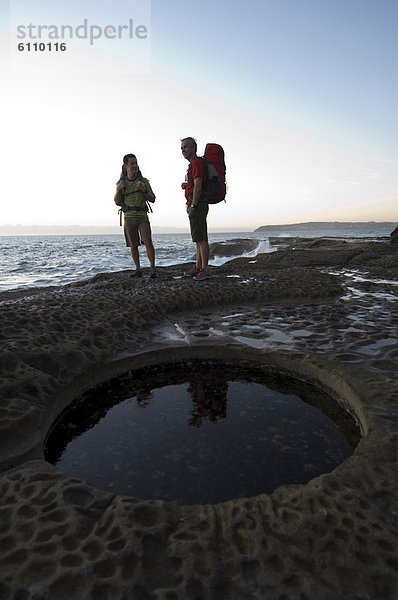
[263, 247]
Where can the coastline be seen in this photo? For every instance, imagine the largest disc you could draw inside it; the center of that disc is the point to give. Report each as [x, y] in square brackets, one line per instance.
[322, 309]
[37, 261]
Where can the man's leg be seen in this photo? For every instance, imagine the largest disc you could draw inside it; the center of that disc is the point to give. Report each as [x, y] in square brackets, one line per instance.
[198, 256]
[200, 216]
[204, 253]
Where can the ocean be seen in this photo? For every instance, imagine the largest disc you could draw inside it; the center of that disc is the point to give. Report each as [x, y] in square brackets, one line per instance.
[36, 261]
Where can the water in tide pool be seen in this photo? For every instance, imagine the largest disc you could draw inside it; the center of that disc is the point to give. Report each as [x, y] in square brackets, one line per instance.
[200, 432]
[35, 261]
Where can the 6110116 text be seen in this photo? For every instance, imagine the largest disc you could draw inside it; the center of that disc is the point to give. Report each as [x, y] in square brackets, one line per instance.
[42, 47]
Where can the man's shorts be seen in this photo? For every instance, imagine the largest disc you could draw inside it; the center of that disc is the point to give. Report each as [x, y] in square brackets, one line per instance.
[197, 221]
[136, 230]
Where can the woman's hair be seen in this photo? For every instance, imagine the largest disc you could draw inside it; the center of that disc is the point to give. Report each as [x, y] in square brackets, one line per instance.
[125, 161]
[126, 158]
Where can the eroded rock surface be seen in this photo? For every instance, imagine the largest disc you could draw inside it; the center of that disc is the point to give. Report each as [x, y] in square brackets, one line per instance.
[325, 311]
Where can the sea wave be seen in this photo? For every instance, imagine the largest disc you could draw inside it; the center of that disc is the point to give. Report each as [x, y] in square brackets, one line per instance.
[27, 261]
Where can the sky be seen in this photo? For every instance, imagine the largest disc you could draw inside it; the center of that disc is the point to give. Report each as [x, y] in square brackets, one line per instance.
[301, 94]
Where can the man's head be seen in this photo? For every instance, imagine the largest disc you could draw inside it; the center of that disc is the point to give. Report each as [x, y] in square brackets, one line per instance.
[189, 148]
[131, 165]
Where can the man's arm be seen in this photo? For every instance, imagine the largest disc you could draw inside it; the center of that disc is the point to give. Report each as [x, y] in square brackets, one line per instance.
[197, 190]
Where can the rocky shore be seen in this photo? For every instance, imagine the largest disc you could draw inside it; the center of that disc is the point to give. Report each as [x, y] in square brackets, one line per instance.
[324, 311]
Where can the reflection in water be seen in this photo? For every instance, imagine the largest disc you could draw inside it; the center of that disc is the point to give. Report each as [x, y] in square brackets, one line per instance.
[144, 397]
[200, 432]
[209, 401]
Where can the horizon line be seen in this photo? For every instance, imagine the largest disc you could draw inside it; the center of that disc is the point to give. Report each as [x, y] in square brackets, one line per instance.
[10, 230]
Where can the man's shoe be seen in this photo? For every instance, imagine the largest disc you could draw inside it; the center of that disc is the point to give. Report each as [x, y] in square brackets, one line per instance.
[152, 274]
[192, 272]
[202, 275]
[137, 273]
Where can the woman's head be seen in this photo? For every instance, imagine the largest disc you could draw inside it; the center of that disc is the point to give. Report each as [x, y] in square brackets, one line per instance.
[130, 164]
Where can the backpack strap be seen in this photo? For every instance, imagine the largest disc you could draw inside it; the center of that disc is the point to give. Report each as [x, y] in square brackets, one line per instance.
[126, 207]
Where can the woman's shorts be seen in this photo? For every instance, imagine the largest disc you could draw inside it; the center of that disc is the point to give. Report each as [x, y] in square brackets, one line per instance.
[197, 221]
[136, 230]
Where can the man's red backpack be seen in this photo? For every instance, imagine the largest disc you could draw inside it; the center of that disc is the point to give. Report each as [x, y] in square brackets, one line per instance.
[215, 187]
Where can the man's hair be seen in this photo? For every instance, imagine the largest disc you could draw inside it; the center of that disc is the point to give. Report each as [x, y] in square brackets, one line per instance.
[126, 158]
[192, 142]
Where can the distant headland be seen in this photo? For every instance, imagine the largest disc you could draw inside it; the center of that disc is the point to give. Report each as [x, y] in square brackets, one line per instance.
[328, 225]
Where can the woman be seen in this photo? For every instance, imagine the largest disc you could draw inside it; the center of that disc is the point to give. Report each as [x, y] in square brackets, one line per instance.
[133, 192]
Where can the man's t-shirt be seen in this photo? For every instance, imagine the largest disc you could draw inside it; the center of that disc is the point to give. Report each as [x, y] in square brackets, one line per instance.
[133, 196]
[196, 169]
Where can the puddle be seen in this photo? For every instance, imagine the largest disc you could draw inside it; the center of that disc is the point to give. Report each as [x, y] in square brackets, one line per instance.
[373, 348]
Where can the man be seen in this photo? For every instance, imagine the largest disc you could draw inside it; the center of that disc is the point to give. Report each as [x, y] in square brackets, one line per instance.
[197, 207]
[132, 193]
